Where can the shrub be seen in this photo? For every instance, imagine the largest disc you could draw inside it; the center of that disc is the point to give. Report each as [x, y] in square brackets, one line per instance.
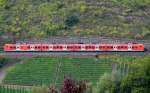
[71, 20]
[71, 86]
[2, 61]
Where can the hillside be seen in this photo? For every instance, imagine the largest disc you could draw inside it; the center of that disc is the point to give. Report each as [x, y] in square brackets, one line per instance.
[51, 70]
[44, 18]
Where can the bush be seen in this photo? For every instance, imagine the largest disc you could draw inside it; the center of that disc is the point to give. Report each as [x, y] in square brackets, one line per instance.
[42, 89]
[71, 86]
[71, 20]
[2, 61]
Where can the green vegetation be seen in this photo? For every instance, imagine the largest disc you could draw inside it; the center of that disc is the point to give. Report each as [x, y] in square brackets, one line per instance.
[136, 80]
[133, 2]
[44, 18]
[128, 74]
[51, 70]
[3, 61]
[12, 89]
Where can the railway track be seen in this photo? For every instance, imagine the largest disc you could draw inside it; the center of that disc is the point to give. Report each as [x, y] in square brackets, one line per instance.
[78, 54]
[81, 40]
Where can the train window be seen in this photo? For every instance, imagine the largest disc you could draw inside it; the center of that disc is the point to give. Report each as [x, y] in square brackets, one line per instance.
[125, 46]
[108, 47]
[119, 46]
[59, 46]
[28, 47]
[100, 46]
[134, 47]
[38, 46]
[46, 46]
[68, 46]
[79, 46]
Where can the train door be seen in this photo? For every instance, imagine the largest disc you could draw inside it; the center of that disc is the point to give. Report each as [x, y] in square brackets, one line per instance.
[83, 47]
[130, 46]
[96, 47]
[115, 47]
[65, 47]
[32, 47]
[51, 47]
[18, 47]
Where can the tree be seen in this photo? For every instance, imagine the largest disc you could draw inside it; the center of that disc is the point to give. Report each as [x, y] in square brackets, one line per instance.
[72, 86]
[2, 3]
[104, 84]
[138, 79]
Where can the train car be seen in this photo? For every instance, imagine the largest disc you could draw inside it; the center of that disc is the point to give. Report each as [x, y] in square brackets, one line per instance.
[22, 47]
[73, 47]
[52, 47]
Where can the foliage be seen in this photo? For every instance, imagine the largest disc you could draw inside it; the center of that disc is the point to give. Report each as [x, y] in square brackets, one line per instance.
[41, 89]
[34, 72]
[13, 89]
[2, 3]
[3, 61]
[71, 20]
[138, 79]
[44, 18]
[71, 86]
[134, 2]
[103, 85]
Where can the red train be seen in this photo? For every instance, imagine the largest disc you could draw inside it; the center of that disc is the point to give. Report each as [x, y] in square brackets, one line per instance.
[73, 47]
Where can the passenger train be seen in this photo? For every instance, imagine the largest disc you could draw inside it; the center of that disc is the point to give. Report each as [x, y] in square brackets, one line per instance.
[73, 47]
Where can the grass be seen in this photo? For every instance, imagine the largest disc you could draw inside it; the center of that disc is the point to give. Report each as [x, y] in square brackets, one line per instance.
[8, 89]
[51, 70]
